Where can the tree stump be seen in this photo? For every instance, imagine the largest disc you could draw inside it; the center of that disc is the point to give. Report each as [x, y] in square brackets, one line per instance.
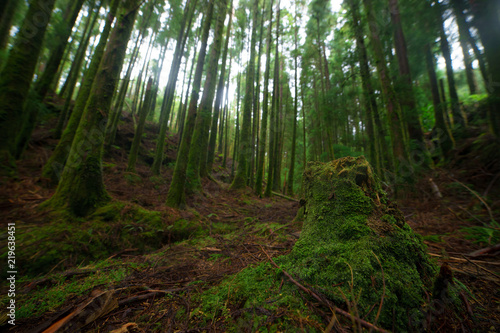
[356, 245]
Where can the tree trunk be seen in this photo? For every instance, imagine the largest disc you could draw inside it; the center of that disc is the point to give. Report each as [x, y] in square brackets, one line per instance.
[464, 35]
[74, 71]
[245, 150]
[182, 115]
[272, 116]
[487, 21]
[136, 143]
[458, 118]
[265, 106]
[220, 94]
[197, 161]
[55, 165]
[398, 146]
[168, 97]
[176, 196]
[81, 188]
[407, 97]
[17, 74]
[42, 85]
[369, 99]
[445, 139]
[6, 19]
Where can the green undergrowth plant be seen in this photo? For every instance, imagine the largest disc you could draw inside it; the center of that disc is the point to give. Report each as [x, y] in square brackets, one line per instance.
[488, 234]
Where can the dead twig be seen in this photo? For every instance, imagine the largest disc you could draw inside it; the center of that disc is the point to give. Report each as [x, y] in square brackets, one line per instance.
[319, 299]
[477, 196]
[285, 197]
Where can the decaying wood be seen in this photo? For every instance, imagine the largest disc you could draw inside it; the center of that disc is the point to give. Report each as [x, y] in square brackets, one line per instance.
[285, 197]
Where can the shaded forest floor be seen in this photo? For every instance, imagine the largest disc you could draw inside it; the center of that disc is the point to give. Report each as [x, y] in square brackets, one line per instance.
[158, 286]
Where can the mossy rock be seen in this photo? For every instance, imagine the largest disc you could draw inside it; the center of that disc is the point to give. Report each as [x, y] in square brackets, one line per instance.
[355, 246]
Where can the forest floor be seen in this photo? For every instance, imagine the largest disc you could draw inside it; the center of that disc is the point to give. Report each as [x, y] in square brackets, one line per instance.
[158, 287]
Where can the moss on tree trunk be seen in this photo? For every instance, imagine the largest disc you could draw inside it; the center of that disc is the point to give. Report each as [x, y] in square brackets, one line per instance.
[81, 188]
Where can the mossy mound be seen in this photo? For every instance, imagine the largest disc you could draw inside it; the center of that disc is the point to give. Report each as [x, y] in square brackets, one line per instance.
[65, 240]
[355, 248]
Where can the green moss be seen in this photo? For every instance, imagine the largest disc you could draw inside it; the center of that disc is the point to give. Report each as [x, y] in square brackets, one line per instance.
[66, 240]
[45, 298]
[351, 232]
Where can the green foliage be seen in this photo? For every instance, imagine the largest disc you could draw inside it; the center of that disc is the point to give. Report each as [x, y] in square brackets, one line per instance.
[486, 235]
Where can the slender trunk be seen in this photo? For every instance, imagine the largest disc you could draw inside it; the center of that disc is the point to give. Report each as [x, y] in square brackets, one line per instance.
[176, 195]
[272, 116]
[445, 139]
[256, 106]
[81, 188]
[237, 130]
[245, 150]
[117, 110]
[7, 15]
[408, 100]
[197, 161]
[186, 99]
[458, 118]
[291, 173]
[464, 34]
[487, 21]
[225, 123]
[168, 97]
[398, 146]
[265, 106]
[73, 73]
[42, 85]
[136, 143]
[55, 165]
[218, 100]
[17, 74]
[369, 99]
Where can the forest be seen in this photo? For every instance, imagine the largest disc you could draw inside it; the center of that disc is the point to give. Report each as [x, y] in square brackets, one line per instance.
[250, 165]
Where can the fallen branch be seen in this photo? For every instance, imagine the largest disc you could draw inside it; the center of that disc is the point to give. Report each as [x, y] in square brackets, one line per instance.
[477, 196]
[326, 303]
[486, 251]
[285, 197]
[152, 294]
[464, 260]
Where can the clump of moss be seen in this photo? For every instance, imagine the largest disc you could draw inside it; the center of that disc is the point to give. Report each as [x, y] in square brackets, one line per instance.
[355, 248]
[65, 240]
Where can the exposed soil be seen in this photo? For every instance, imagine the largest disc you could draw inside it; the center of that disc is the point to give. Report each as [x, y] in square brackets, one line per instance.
[161, 291]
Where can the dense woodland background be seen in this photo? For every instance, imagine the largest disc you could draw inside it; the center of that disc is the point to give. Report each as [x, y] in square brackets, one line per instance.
[185, 96]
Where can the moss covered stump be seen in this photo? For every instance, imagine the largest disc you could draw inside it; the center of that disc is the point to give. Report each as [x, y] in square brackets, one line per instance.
[355, 249]
[353, 237]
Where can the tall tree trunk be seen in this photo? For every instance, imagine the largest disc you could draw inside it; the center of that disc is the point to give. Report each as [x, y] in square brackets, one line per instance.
[136, 143]
[176, 195]
[81, 188]
[445, 49]
[487, 21]
[398, 146]
[256, 106]
[369, 99]
[407, 97]
[265, 106]
[116, 111]
[272, 116]
[168, 97]
[42, 85]
[291, 173]
[182, 115]
[74, 71]
[244, 154]
[55, 165]
[225, 123]
[220, 94]
[6, 19]
[197, 161]
[237, 130]
[445, 139]
[17, 74]
[464, 34]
